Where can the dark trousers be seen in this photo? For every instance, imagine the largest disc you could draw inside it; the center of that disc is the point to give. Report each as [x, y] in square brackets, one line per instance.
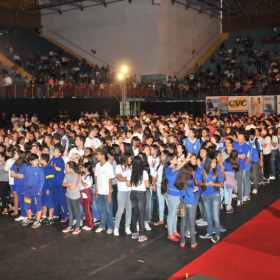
[4, 187]
[266, 166]
[115, 199]
[138, 202]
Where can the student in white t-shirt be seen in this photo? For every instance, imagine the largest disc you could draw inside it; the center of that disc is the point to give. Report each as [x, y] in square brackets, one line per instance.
[274, 151]
[266, 153]
[104, 174]
[123, 196]
[7, 168]
[138, 180]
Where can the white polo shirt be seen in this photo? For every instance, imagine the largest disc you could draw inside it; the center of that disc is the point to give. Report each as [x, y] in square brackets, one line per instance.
[103, 173]
[120, 169]
[92, 142]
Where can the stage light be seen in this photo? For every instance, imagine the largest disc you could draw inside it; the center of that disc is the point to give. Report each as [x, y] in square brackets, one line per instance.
[124, 69]
[120, 76]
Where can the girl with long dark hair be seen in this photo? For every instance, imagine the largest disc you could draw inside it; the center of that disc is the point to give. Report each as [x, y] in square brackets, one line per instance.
[211, 181]
[266, 143]
[173, 194]
[72, 181]
[138, 180]
[186, 184]
[86, 194]
[17, 172]
[124, 202]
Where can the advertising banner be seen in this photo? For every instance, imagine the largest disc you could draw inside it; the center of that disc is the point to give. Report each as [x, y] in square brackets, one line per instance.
[255, 105]
[278, 104]
[217, 104]
[269, 104]
[237, 104]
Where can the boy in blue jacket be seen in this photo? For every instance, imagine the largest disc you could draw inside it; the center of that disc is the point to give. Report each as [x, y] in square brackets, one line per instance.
[47, 201]
[33, 185]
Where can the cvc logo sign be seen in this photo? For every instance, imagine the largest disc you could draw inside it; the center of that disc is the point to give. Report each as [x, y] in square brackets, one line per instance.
[238, 103]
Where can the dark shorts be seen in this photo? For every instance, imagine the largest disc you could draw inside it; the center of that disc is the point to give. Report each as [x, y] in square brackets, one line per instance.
[32, 194]
[47, 200]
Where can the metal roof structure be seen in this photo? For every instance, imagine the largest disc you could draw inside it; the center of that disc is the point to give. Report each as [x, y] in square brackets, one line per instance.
[213, 8]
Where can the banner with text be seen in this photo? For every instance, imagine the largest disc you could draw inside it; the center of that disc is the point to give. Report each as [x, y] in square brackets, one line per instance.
[278, 104]
[237, 104]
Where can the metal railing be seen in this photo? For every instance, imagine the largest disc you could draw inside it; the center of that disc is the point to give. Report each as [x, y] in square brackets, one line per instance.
[71, 91]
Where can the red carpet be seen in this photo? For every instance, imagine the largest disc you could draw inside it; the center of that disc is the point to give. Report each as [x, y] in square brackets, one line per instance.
[250, 252]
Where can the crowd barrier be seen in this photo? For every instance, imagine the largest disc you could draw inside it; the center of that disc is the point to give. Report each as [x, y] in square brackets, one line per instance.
[83, 91]
[86, 91]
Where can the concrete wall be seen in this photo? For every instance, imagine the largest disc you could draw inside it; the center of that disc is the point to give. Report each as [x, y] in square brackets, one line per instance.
[150, 39]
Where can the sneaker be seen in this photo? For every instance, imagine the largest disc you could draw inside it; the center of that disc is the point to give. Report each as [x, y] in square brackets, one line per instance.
[142, 238]
[204, 236]
[147, 227]
[135, 235]
[109, 231]
[98, 230]
[173, 238]
[234, 195]
[49, 222]
[86, 228]
[159, 223]
[116, 232]
[36, 224]
[76, 231]
[127, 231]
[272, 178]
[194, 245]
[96, 221]
[246, 198]
[137, 226]
[26, 222]
[229, 211]
[68, 229]
[20, 218]
[55, 217]
[199, 221]
[43, 219]
[254, 191]
[177, 234]
[188, 234]
[182, 245]
[64, 220]
[202, 224]
[266, 181]
[239, 203]
[215, 239]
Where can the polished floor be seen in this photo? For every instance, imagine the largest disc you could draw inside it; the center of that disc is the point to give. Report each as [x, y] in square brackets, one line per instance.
[47, 253]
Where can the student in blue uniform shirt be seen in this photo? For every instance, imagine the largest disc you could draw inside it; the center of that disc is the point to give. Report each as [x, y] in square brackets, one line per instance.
[211, 181]
[58, 196]
[47, 201]
[192, 144]
[186, 184]
[33, 184]
[243, 150]
[256, 158]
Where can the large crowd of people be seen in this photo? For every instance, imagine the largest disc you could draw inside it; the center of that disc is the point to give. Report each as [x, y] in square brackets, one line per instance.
[90, 172]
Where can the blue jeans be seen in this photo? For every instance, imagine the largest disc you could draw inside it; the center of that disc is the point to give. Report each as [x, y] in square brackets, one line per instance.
[161, 203]
[106, 212]
[247, 184]
[148, 204]
[229, 191]
[138, 203]
[201, 206]
[272, 162]
[94, 207]
[188, 222]
[212, 206]
[173, 202]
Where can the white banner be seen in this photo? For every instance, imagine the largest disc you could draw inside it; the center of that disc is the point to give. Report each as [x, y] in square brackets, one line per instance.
[255, 105]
